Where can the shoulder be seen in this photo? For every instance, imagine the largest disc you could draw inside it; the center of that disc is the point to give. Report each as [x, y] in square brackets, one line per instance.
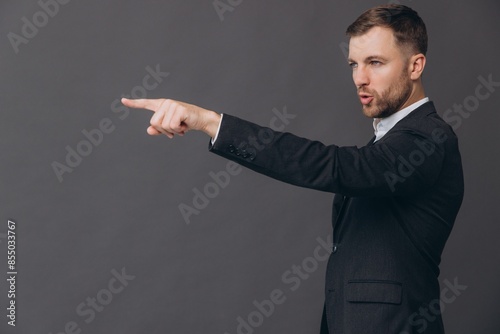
[426, 122]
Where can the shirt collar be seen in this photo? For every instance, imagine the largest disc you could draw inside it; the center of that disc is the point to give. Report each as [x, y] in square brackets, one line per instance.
[383, 125]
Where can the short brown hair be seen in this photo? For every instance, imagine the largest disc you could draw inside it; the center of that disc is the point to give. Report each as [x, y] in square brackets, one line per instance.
[409, 29]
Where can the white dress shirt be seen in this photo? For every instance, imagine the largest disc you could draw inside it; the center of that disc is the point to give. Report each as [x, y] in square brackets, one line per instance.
[218, 129]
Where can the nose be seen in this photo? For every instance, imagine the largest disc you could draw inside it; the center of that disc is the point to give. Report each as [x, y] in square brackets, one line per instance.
[360, 77]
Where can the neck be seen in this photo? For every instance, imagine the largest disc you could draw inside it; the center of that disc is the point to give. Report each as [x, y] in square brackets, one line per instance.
[417, 94]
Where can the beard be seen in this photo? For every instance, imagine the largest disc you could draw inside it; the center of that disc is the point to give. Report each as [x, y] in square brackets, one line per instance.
[391, 100]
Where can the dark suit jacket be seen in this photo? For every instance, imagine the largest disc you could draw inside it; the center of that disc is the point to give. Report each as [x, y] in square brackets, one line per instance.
[395, 205]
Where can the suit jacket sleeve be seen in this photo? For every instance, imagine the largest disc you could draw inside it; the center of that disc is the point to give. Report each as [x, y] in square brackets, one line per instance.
[406, 160]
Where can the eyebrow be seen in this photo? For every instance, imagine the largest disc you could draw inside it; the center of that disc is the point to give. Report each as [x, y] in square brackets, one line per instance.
[368, 59]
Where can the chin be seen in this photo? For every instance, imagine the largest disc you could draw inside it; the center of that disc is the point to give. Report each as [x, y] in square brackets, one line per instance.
[370, 112]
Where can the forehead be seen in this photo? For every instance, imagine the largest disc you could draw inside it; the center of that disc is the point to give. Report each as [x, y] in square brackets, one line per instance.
[378, 40]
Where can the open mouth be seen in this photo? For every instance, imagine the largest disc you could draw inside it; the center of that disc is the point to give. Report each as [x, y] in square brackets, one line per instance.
[365, 99]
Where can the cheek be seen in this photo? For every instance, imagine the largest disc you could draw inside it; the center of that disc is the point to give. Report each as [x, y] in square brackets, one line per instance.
[383, 78]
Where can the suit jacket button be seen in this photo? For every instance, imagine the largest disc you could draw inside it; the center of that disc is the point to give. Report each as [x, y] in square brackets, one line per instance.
[244, 154]
[238, 153]
[334, 249]
[231, 148]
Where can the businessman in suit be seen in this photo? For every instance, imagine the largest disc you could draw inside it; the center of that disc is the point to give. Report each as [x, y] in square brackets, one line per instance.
[396, 198]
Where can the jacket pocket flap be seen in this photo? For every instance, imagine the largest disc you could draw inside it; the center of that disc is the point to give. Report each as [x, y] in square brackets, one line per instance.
[365, 291]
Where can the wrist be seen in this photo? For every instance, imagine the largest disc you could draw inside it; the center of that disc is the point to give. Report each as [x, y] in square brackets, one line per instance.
[212, 124]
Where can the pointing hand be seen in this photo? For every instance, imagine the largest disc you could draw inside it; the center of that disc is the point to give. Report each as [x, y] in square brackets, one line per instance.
[174, 117]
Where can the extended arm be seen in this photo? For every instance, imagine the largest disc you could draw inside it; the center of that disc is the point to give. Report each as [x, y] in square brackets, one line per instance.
[407, 160]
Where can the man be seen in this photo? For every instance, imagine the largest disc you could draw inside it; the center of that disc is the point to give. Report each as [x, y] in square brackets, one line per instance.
[396, 198]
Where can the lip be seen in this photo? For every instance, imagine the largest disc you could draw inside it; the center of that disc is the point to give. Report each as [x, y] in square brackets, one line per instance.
[365, 99]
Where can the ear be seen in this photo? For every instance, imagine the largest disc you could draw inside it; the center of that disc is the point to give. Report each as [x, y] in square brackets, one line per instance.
[417, 65]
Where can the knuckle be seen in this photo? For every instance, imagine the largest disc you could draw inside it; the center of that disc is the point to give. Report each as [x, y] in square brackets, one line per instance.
[174, 124]
[165, 126]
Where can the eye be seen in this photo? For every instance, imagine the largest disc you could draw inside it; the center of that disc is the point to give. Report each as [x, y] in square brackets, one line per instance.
[375, 63]
[353, 65]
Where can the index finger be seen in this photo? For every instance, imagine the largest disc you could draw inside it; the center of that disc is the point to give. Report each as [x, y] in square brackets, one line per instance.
[149, 104]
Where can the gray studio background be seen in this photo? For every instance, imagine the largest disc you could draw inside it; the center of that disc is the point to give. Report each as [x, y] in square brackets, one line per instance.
[118, 209]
